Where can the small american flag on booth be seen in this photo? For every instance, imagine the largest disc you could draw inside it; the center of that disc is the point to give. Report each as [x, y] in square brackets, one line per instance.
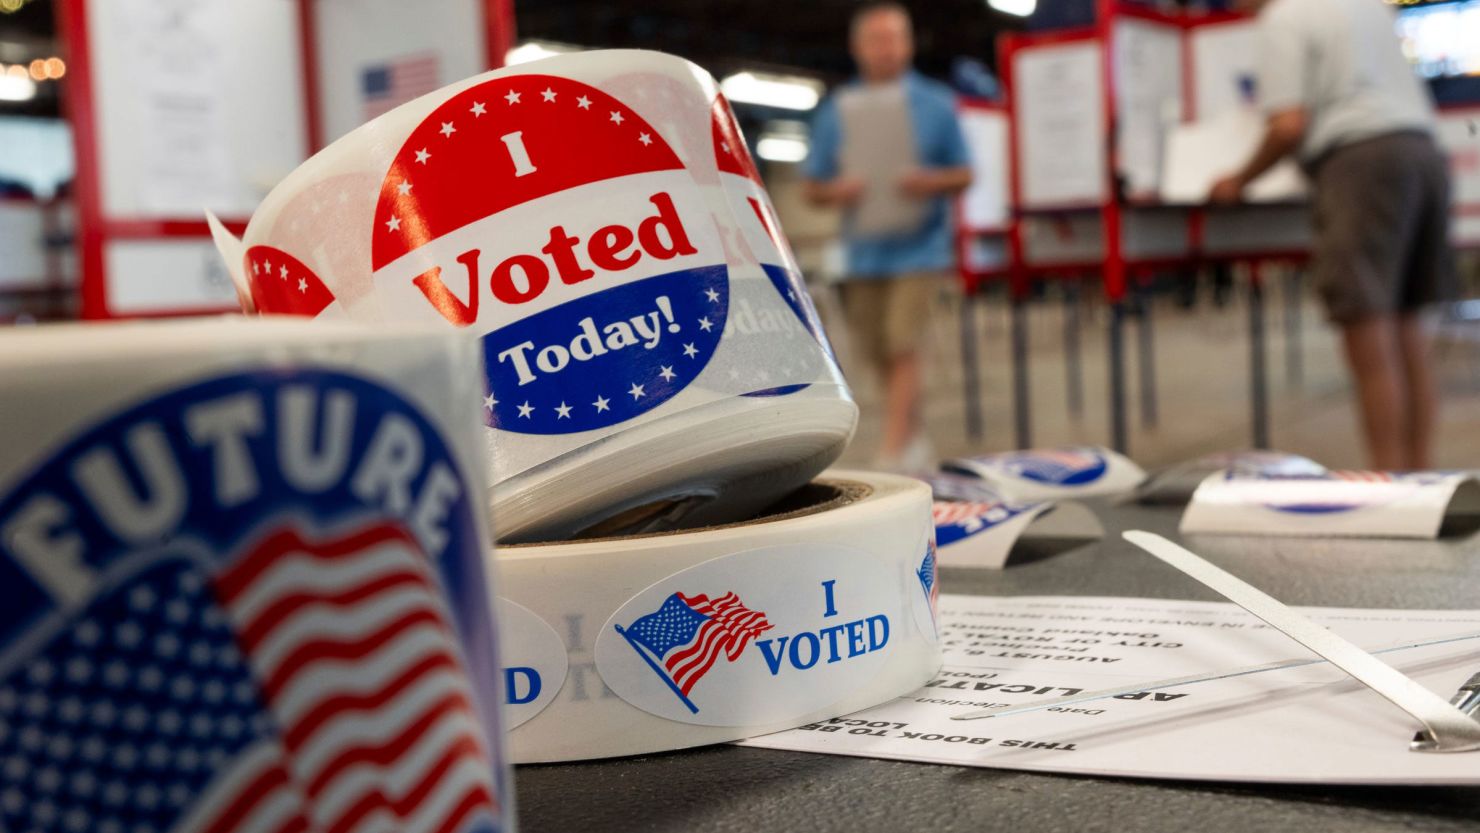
[387, 85]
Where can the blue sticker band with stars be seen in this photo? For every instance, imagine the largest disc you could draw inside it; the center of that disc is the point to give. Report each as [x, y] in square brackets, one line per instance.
[606, 357]
[217, 606]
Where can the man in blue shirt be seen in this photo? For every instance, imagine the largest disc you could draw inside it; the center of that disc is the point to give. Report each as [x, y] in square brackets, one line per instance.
[892, 276]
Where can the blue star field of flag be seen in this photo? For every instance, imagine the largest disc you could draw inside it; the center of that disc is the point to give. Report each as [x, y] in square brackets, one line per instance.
[118, 722]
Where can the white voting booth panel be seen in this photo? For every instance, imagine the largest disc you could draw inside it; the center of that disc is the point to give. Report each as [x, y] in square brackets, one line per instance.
[1060, 130]
[985, 206]
[198, 106]
[1220, 54]
[203, 105]
[147, 276]
[426, 44]
[1060, 125]
[1147, 56]
[21, 229]
[180, 108]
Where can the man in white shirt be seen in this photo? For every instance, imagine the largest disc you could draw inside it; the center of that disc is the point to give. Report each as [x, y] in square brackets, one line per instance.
[1341, 97]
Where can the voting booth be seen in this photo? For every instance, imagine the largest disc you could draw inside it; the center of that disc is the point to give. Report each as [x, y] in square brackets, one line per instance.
[181, 109]
[1115, 134]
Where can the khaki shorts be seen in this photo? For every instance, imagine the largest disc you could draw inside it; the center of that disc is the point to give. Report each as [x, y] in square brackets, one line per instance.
[890, 317]
[1382, 227]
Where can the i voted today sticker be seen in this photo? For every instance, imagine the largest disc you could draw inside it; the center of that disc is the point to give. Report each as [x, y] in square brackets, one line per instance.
[282, 285]
[758, 637]
[554, 221]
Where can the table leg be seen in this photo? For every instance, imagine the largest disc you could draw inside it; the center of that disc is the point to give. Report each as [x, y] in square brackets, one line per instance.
[1258, 373]
[1118, 438]
[1147, 358]
[1020, 386]
[971, 387]
[1073, 368]
[1294, 325]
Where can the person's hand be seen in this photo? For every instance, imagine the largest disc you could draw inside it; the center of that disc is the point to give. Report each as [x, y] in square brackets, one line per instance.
[918, 184]
[1227, 191]
[846, 189]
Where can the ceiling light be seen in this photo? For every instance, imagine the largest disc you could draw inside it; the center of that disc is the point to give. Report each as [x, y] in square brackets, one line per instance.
[55, 67]
[781, 148]
[790, 92]
[1019, 8]
[17, 87]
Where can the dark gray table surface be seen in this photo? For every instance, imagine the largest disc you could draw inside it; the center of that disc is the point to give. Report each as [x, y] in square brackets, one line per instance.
[729, 788]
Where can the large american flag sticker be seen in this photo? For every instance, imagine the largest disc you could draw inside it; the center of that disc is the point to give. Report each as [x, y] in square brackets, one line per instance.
[312, 686]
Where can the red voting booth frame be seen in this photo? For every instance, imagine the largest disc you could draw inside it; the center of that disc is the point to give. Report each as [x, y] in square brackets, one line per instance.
[1119, 273]
[95, 229]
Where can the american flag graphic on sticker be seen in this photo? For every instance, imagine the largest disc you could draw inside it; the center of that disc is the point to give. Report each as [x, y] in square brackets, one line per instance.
[687, 635]
[227, 609]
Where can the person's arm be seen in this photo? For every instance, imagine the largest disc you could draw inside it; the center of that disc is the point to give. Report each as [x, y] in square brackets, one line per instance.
[947, 168]
[1284, 57]
[930, 182]
[826, 185]
[838, 191]
[1283, 133]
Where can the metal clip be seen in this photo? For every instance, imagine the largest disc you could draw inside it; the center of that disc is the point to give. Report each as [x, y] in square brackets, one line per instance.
[1467, 700]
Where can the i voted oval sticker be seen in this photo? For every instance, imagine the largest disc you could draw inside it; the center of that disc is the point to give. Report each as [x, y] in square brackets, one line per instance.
[755, 638]
[554, 221]
[534, 658]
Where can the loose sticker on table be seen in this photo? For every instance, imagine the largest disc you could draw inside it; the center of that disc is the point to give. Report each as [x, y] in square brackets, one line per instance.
[218, 605]
[1316, 498]
[955, 521]
[1039, 474]
[1335, 503]
[552, 219]
[756, 638]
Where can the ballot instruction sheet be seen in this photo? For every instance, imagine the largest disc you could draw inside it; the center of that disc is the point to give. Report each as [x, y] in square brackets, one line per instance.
[1308, 724]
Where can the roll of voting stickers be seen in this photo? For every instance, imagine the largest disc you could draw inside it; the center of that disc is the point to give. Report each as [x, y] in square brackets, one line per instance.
[638, 644]
[651, 357]
[241, 584]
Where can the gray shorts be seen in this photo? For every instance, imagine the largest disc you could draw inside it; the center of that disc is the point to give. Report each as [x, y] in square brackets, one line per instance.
[1382, 227]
